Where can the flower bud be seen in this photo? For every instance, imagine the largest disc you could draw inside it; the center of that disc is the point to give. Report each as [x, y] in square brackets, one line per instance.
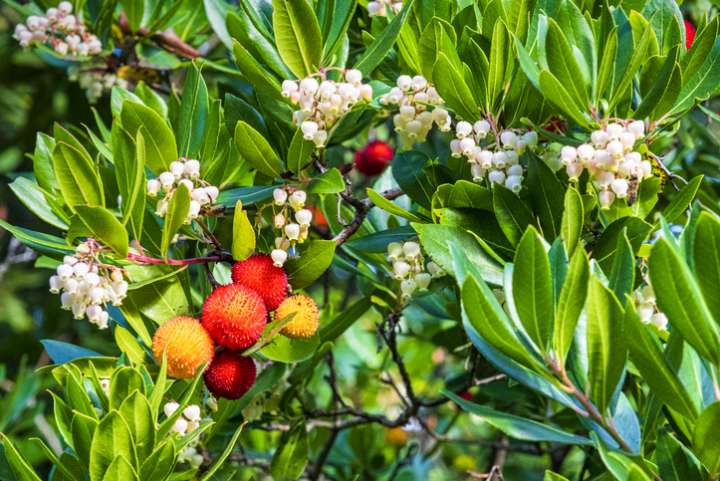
[404, 82]
[309, 129]
[292, 231]
[303, 217]
[177, 169]
[180, 426]
[463, 129]
[606, 199]
[280, 196]
[423, 280]
[411, 249]
[297, 199]
[637, 128]
[401, 269]
[192, 412]
[496, 176]
[192, 168]
[508, 139]
[279, 257]
[167, 180]
[153, 187]
[568, 154]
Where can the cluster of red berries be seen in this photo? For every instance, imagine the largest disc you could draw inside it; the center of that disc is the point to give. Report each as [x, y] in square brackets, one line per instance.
[233, 318]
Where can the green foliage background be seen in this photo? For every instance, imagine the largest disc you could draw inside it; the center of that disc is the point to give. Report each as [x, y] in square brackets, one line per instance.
[34, 95]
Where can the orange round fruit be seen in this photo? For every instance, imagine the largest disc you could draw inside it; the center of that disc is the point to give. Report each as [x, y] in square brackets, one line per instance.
[186, 345]
[234, 316]
[260, 274]
[230, 375]
[306, 317]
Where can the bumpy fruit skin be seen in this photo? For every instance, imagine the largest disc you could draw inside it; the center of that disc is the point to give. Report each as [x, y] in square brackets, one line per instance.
[690, 32]
[230, 375]
[258, 273]
[305, 322]
[396, 436]
[374, 158]
[186, 345]
[234, 316]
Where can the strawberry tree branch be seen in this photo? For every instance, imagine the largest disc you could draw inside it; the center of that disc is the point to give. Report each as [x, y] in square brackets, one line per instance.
[142, 259]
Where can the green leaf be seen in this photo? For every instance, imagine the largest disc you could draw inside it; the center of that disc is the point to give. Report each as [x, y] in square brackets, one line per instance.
[706, 442]
[679, 297]
[570, 304]
[31, 195]
[130, 160]
[160, 148]
[77, 178]
[515, 426]
[563, 65]
[513, 215]
[453, 88]
[647, 355]
[38, 240]
[572, 221]
[378, 50]
[101, 224]
[391, 207]
[123, 382]
[437, 239]
[193, 114]
[256, 150]
[606, 248]
[283, 349]
[120, 470]
[551, 87]
[378, 241]
[706, 252]
[487, 316]
[606, 343]
[290, 459]
[177, 212]
[547, 194]
[297, 36]
[682, 200]
[331, 330]
[160, 463]
[20, 467]
[111, 439]
[676, 462]
[622, 274]
[330, 182]
[255, 73]
[299, 152]
[134, 11]
[550, 476]
[533, 284]
[314, 260]
[136, 412]
[220, 460]
[497, 63]
[82, 428]
[243, 241]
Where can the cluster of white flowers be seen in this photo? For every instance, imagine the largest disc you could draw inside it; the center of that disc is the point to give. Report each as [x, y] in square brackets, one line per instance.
[292, 220]
[611, 160]
[497, 161]
[323, 102]
[187, 172]
[410, 269]
[186, 423]
[380, 8]
[95, 80]
[419, 108]
[59, 29]
[646, 305]
[87, 285]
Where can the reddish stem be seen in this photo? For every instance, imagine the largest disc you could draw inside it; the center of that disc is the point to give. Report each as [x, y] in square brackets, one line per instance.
[175, 262]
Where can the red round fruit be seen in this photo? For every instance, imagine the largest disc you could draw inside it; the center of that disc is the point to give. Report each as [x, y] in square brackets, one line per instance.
[234, 316]
[258, 273]
[374, 158]
[466, 395]
[230, 375]
[690, 32]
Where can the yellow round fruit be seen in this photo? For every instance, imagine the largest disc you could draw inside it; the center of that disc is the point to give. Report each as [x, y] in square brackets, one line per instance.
[186, 345]
[305, 322]
[396, 436]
